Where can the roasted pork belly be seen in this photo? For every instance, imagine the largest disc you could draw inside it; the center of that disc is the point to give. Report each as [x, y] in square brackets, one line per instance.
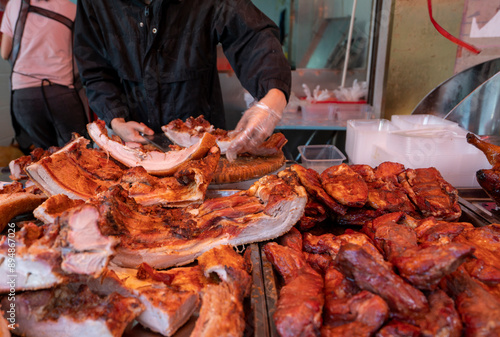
[65, 312]
[82, 173]
[84, 249]
[166, 237]
[56, 205]
[36, 258]
[166, 306]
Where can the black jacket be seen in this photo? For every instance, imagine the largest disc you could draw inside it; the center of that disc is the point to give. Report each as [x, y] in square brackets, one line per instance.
[156, 63]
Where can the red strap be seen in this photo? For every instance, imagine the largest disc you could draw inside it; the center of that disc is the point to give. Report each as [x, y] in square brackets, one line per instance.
[448, 35]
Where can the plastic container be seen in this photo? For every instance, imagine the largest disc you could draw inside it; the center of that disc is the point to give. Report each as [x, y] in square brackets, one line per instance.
[411, 122]
[320, 157]
[347, 111]
[362, 136]
[335, 111]
[317, 111]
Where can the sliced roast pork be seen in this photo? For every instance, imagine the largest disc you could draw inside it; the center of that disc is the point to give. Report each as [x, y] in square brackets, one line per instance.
[84, 249]
[167, 237]
[221, 312]
[190, 132]
[30, 259]
[169, 301]
[154, 162]
[66, 311]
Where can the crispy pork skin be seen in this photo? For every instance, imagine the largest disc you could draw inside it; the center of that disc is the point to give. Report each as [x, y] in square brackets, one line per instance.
[154, 162]
[65, 312]
[37, 259]
[56, 205]
[85, 250]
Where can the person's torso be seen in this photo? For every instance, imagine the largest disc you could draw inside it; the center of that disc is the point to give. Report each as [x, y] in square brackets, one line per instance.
[166, 53]
[46, 46]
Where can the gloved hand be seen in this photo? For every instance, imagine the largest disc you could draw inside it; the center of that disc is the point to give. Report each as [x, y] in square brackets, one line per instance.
[257, 123]
[130, 131]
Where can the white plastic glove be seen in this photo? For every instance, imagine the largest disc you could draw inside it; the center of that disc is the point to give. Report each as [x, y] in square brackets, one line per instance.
[257, 123]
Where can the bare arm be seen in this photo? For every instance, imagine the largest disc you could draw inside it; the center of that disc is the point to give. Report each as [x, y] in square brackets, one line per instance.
[6, 46]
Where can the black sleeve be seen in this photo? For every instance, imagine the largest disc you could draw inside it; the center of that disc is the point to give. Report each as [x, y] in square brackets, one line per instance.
[99, 78]
[250, 41]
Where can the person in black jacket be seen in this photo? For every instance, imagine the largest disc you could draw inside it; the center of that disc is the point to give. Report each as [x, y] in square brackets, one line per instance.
[145, 63]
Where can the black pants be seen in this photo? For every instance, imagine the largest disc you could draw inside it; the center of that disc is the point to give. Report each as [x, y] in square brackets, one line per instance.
[49, 117]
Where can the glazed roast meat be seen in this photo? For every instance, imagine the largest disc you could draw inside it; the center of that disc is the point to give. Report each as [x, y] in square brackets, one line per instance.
[488, 179]
[301, 299]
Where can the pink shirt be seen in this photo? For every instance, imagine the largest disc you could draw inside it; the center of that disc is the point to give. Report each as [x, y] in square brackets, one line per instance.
[46, 48]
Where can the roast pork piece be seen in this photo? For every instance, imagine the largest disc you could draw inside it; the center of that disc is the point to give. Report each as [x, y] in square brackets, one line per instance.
[301, 299]
[66, 312]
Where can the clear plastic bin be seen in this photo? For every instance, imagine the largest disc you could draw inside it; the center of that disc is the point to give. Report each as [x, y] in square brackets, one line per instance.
[410, 122]
[320, 157]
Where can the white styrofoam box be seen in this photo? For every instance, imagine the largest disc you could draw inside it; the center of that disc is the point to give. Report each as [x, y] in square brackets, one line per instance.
[409, 122]
[320, 157]
[362, 135]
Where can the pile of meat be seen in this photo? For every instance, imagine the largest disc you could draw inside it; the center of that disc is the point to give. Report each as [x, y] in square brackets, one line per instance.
[397, 276]
[356, 194]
